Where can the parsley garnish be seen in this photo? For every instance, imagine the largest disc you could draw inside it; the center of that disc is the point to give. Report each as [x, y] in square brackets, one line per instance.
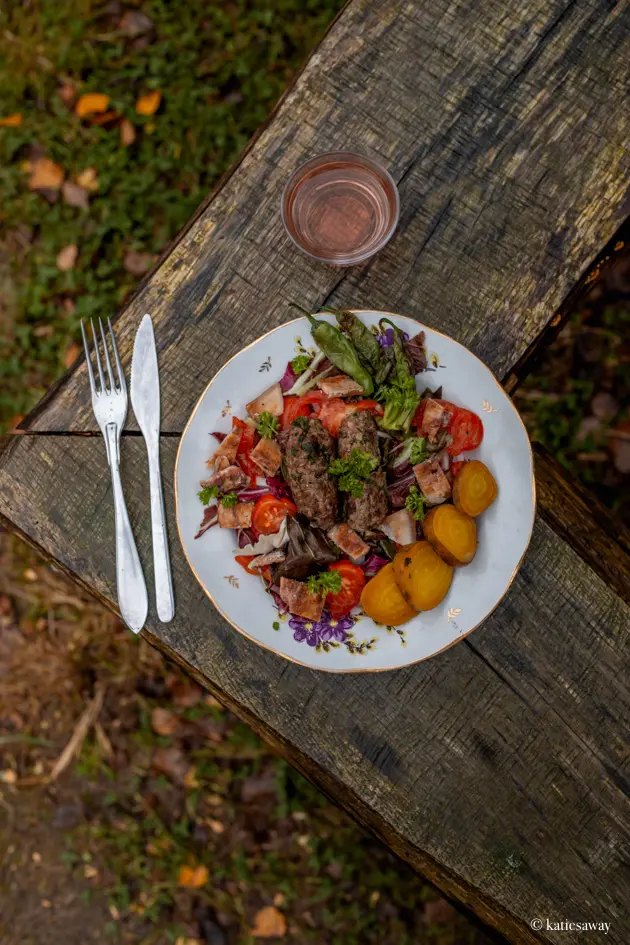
[416, 504]
[302, 423]
[327, 582]
[418, 450]
[207, 493]
[401, 400]
[353, 471]
[300, 363]
[228, 500]
[267, 425]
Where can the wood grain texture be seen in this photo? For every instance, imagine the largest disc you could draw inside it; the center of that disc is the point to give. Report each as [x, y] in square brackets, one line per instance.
[506, 127]
[499, 768]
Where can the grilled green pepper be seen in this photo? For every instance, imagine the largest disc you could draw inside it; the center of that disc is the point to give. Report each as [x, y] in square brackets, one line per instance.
[341, 352]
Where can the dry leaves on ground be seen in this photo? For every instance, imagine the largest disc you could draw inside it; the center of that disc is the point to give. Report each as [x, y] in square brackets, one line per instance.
[92, 103]
[269, 923]
[620, 447]
[148, 104]
[193, 877]
[88, 178]
[75, 195]
[67, 257]
[11, 121]
[71, 354]
[164, 722]
[127, 133]
[172, 762]
[67, 93]
[137, 263]
[134, 23]
[184, 692]
[45, 175]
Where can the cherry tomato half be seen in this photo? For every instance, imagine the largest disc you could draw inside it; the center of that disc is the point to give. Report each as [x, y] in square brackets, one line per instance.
[352, 583]
[335, 410]
[270, 512]
[293, 408]
[457, 465]
[466, 429]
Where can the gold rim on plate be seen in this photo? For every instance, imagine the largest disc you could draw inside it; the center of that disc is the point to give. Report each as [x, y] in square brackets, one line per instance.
[358, 669]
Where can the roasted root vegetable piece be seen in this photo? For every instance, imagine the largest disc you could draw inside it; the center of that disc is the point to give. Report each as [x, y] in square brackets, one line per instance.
[268, 456]
[236, 516]
[474, 489]
[452, 533]
[300, 600]
[422, 576]
[383, 601]
[270, 400]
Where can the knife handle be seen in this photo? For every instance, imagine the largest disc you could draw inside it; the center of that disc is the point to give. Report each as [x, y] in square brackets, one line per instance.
[130, 585]
[164, 598]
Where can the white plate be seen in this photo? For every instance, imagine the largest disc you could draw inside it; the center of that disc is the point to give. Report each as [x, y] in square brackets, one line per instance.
[358, 644]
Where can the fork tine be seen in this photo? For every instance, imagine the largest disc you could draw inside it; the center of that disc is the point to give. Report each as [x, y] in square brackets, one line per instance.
[98, 357]
[88, 360]
[121, 373]
[107, 361]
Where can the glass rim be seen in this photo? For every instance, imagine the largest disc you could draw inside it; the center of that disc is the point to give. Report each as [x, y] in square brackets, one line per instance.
[343, 157]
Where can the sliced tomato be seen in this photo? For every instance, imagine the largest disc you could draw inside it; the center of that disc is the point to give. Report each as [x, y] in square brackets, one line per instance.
[315, 397]
[466, 429]
[249, 438]
[293, 408]
[335, 410]
[270, 512]
[244, 560]
[457, 465]
[352, 583]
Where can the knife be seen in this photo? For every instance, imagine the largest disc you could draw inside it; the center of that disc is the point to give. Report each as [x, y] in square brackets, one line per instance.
[145, 400]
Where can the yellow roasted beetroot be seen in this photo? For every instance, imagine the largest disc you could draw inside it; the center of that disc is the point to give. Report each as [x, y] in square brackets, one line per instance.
[474, 488]
[422, 576]
[382, 601]
[452, 533]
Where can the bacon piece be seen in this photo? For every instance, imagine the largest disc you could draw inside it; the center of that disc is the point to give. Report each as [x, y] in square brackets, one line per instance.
[228, 480]
[347, 539]
[436, 416]
[432, 480]
[300, 600]
[227, 450]
[339, 386]
[236, 516]
[268, 457]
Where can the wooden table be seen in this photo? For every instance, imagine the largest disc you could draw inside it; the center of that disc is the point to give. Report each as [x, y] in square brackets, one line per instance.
[498, 769]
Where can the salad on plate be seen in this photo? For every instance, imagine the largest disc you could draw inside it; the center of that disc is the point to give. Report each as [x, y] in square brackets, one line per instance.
[347, 484]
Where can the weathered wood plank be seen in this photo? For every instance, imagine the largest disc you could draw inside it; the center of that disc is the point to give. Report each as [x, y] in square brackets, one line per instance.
[507, 130]
[499, 768]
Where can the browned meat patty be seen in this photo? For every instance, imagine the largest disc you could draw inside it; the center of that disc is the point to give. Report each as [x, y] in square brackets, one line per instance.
[308, 452]
[358, 431]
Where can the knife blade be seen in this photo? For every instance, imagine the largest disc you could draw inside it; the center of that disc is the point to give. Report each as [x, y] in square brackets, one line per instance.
[145, 400]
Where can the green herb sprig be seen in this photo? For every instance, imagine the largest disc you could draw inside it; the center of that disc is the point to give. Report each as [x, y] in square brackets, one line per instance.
[267, 425]
[300, 363]
[353, 471]
[208, 493]
[326, 582]
[416, 504]
[229, 500]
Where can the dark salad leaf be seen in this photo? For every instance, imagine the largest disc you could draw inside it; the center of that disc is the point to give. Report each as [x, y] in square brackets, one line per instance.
[416, 352]
[308, 550]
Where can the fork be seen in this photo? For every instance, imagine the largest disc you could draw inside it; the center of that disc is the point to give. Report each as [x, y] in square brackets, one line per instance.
[110, 409]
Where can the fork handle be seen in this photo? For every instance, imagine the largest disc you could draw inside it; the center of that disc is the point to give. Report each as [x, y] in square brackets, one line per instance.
[164, 599]
[130, 584]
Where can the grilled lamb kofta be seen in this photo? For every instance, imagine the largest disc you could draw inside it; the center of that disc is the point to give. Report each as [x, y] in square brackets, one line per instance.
[358, 431]
[308, 452]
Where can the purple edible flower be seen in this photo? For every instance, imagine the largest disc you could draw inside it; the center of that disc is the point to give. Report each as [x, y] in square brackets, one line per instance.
[288, 379]
[322, 631]
[386, 339]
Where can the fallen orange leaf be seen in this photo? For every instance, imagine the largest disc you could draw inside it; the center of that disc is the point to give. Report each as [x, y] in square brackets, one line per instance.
[11, 121]
[67, 257]
[127, 133]
[72, 353]
[45, 175]
[164, 722]
[193, 877]
[148, 104]
[105, 118]
[269, 923]
[88, 178]
[74, 195]
[91, 104]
